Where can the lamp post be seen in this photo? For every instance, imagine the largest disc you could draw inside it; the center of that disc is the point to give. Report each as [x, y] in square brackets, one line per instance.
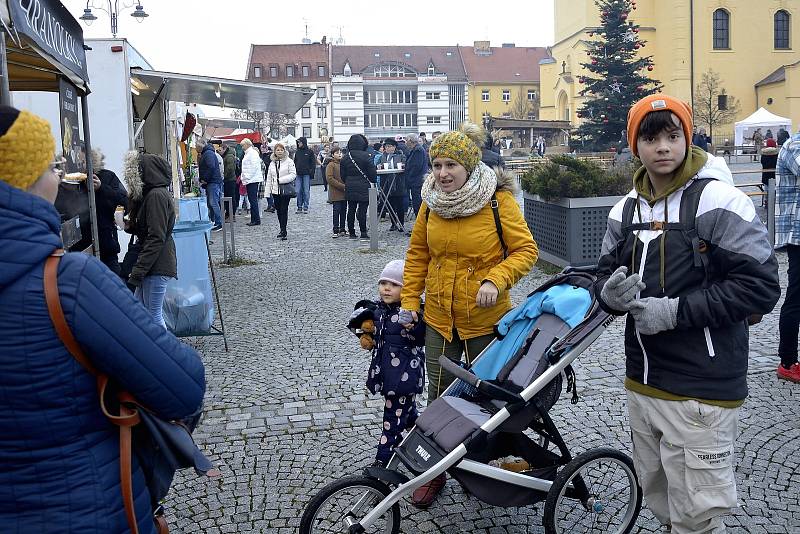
[113, 8]
[321, 103]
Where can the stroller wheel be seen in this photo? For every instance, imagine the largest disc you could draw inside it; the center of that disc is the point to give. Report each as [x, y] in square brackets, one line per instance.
[596, 492]
[345, 502]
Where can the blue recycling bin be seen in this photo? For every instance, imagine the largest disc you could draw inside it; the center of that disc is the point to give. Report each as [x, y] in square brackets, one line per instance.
[189, 307]
[192, 209]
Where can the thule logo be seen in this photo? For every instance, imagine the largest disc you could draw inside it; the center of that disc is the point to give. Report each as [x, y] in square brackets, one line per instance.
[423, 453]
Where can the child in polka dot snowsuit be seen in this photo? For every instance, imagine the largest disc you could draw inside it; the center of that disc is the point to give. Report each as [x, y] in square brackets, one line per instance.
[397, 370]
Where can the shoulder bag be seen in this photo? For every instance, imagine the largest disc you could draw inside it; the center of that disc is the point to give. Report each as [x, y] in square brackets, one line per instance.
[286, 190]
[162, 447]
[349, 155]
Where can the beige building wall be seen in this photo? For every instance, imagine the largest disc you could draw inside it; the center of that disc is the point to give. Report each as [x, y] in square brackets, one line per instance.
[681, 54]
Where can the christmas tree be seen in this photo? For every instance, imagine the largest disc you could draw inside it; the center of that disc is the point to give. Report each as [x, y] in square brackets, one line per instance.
[618, 75]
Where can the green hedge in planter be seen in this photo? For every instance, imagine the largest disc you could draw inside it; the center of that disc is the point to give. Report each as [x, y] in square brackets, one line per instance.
[569, 177]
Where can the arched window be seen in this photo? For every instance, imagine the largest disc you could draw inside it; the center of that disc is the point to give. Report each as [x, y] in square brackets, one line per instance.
[782, 30]
[722, 30]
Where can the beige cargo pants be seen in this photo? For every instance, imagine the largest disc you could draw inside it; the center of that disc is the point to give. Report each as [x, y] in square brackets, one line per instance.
[683, 452]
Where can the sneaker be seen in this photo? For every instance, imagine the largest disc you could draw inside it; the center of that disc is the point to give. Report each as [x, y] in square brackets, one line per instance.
[792, 374]
[335, 235]
[216, 228]
[299, 210]
[353, 235]
[364, 237]
[305, 210]
[424, 495]
[342, 234]
[378, 463]
[394, 229]
[253, 224]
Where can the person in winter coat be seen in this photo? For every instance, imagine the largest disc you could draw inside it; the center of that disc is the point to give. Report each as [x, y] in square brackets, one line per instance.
[358, 172]
[336, 191]
[491, 158]
[230, 187]
[108, 193]
[152, 218]
[60, 454]
[281, 172]
[252, 178]
[769, 159]
[266, 157]
[688, 292]
[305, 162]
[393, 185]
[211, 180]
[456, 257]
[416, 169]
[397, 368]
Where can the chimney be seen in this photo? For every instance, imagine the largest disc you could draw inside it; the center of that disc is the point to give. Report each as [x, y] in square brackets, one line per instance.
[482, 48]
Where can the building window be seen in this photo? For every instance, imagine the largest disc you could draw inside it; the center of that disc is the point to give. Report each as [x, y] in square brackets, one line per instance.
[722, 29]
[322, 112]
[321, 71]
[391, 70]
[322, 92]
[306, 131]
[306, 112]
[531, 95]
[306, 70]
[431, 70]
[782, 26]
[348, 121]
[485, 95]
[347, 70]
[348, 96]
[433, 96]
[257, 71]
[289, 71]
[433, 120]
[273, 71]
[506, 95]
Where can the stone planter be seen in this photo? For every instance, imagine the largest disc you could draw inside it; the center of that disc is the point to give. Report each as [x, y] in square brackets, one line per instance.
[569, 231]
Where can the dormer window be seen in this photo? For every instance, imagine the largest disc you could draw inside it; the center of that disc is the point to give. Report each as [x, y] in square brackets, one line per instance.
[431, 69]
[347, 70]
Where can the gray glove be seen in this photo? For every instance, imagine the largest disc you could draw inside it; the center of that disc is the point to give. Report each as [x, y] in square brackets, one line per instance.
[619, 292]
[654, 314]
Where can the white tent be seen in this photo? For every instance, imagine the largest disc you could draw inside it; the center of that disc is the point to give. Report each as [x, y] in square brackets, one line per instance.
[744, 129]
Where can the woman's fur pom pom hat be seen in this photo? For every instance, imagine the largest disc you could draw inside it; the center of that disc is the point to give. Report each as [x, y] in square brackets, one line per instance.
[462, 145]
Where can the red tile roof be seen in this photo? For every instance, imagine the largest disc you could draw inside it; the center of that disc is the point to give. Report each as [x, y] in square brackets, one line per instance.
[416, 57]
[298, 55]
[504, 64]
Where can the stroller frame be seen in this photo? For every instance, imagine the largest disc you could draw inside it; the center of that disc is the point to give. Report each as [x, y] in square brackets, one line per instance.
[568, 482]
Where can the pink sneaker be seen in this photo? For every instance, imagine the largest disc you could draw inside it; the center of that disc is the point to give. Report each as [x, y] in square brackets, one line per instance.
[791, 374]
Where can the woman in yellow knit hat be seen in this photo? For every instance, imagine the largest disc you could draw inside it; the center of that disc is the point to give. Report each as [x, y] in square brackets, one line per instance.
[470, 244]
[60, 455]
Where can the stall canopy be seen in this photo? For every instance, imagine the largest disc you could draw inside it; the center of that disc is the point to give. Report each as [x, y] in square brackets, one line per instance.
[763, 119]
[220, 92]
[44, 42]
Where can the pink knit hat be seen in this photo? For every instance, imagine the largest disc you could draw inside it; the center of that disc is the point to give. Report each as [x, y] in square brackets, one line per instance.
[393, 272]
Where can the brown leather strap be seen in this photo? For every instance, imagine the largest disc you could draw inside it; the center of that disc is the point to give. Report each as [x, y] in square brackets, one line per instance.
[127, 418]
[161, 525]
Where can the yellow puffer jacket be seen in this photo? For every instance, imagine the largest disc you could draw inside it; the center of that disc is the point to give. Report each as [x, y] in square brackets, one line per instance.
[448, 259]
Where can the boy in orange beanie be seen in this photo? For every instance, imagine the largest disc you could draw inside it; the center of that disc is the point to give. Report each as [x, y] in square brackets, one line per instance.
[688, 259]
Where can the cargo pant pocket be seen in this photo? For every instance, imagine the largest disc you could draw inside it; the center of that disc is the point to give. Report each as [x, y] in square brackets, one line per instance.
[710, 482]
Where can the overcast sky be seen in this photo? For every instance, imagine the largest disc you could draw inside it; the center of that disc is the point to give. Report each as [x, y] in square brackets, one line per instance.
[213, 38]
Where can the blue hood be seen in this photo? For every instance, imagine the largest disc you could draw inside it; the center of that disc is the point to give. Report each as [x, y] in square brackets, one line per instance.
[30, 228]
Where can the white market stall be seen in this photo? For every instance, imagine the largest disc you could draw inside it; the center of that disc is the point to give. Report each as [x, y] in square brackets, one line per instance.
[744, 129]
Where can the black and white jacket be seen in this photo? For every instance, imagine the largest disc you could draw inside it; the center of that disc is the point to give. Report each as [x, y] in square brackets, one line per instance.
[721, 276]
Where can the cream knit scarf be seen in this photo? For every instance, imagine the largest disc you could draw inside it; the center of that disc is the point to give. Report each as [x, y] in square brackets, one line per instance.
[469, 200]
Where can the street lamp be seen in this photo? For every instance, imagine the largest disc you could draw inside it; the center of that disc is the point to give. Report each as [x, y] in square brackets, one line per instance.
[321, 104]
[113, 9]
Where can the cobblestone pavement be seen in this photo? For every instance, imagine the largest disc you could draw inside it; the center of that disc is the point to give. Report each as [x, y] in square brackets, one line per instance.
[287, 411]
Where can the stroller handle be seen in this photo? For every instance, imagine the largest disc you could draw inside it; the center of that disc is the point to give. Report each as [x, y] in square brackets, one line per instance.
[492, 390]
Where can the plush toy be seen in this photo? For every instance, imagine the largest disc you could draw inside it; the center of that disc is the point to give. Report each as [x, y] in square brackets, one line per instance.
[362, 323]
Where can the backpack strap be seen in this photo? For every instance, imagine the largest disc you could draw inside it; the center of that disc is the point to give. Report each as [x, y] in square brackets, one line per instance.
[498, 226]
[127, 418]
[688, 216]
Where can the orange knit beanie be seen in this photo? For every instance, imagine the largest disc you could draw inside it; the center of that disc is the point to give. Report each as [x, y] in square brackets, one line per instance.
[658, 102]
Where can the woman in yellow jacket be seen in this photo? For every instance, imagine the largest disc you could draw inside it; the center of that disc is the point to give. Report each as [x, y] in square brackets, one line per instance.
[456, 257]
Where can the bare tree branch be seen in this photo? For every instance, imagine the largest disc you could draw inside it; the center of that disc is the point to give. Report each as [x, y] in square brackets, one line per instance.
[706, 109]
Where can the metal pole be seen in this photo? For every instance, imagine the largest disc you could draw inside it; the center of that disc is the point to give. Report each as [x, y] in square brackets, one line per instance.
[5, 93]
[224, 234]
[373, 217]
[87, 143]
[771, 210]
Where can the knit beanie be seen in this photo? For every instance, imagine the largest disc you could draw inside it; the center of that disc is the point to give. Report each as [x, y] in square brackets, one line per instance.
[27, 147]
[657, 102]
[462, 145]
[393, 272]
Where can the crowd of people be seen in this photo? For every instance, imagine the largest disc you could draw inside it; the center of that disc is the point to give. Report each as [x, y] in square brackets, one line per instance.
[685, 258]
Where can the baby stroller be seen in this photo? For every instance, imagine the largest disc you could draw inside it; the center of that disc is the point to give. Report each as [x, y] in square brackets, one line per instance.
[487, 413]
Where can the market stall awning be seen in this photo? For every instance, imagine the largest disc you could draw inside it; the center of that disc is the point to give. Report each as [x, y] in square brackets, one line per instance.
[221, 92]
[45, 43]
[224, 122]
